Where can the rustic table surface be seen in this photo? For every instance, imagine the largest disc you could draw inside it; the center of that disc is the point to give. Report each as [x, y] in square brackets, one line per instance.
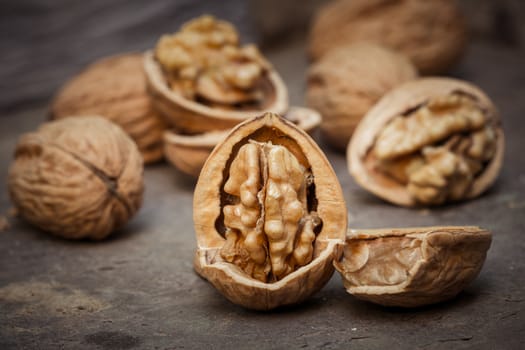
[138, 289]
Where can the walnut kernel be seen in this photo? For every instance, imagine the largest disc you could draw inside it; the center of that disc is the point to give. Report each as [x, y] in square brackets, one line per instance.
[428, 142]
[269, 215]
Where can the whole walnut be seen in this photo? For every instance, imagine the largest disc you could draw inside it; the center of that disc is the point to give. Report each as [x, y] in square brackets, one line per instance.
[431, 33]
[348, 81]
[77, 177]
[115, 88]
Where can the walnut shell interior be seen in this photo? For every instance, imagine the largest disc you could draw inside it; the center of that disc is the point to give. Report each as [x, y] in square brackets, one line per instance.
[268, 214]
[428, 142]
[412, 267]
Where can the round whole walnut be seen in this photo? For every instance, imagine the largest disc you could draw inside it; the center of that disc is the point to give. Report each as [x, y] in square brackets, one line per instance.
[115, 88]
[431, 33]
[348, 81]
[77, 177]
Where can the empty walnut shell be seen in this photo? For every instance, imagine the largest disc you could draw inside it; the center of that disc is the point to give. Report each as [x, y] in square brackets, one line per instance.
[412, 267]
[269, 215]
[115, 88]
[193, 117]
[428, 142]
[188, 153]
[77, 177]
[431, 33]
[346, 83]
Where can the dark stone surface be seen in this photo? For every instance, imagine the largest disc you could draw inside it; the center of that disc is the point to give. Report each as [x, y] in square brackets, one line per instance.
[138, 290]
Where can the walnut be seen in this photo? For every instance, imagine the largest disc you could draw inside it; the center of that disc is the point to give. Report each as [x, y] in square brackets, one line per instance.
[345, 83]
[412, 267]
[428, 142]
[269, 215]
[115, 88]
[201, 79]
[77, 177]
[188, 153]
[431, 33]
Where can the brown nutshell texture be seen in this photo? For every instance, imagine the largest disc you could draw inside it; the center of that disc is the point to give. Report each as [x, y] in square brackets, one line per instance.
[345, 83]
[115, 88]
[77, 178]
[431, 33]
[412, 267]
[428, 142]
[269, 215]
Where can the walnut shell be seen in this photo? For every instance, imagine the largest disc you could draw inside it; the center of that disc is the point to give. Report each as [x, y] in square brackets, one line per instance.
[77, 177]
[269, 215]
[192, 117]
[115, 88]
[412, 267]
[431, 33]
[188, 153]
[427, 142]
[345, 83]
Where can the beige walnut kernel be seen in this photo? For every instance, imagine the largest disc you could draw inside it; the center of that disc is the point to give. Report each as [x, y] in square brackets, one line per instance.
[428, 142]
[77, 178]
[269, 215]
[411, 267]
[345, 83]
[201, 79]
[431, 33]
[115, 88]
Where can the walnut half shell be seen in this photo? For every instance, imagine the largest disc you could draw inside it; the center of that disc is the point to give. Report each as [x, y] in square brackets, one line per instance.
[412, 267]
[428, 142]
[269, 215]
[188, 153]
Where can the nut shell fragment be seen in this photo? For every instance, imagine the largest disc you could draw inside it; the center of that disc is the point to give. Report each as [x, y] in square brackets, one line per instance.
[412, 267]
[115, 88]
[77, 177]
[265, 181]
[188, 153]
[428, 142]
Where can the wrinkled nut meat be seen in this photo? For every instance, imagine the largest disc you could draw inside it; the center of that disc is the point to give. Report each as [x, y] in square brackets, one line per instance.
[428, 142]
[201, 79]
[77, 178]
[115, 88]
[431, 33]
[345, 83]
[188, 153]
[412, 267]
[269, 215]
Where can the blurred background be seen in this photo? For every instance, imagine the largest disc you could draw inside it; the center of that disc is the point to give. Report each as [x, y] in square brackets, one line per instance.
[45, 42]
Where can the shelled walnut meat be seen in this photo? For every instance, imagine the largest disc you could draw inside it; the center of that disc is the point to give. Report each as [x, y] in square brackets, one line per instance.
[412, 267]
[428, 142]
[115, 88]
[202, 79]
[77, 177]
[268, 214]
[431, 33]
[345, 83]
